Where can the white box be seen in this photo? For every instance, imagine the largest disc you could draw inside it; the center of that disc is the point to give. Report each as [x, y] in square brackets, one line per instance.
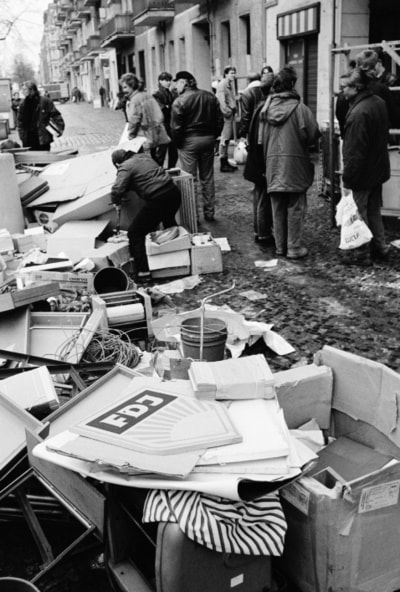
[180, 243]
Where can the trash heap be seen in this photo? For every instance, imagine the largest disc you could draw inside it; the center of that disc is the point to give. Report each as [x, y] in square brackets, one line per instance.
[104, 395]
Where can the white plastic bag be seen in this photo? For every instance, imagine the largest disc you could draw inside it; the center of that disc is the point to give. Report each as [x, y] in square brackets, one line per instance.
[240, 152]
[354, 232]
[125, 135]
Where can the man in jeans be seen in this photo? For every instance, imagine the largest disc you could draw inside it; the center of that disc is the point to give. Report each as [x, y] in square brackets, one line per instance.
[227, 101]
[194, 129]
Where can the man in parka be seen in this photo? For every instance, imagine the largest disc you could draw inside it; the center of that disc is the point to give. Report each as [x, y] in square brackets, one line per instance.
[288, 130]
[366, 163]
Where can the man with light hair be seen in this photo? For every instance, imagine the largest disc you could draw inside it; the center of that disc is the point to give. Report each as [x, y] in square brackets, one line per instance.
[227, 101]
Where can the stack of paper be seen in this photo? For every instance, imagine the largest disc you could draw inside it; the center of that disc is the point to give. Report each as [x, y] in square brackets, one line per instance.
[249, 377]
[154, 427]
[265, 447]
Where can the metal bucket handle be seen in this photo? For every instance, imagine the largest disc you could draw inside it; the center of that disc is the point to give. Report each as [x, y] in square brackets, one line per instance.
[202, 314]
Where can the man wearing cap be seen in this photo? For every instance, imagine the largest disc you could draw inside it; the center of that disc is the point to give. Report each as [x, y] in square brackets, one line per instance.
[194, 130]
[138, 172]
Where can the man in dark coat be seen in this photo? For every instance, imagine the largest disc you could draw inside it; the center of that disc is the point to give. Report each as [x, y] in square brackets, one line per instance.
[194, 129]
[252, 96]
[35, 115]
[154, 186]
[165, 97]
[250, 100]
[366, 163]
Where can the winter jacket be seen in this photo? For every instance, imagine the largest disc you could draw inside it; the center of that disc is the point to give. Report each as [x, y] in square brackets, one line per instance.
[145, 118]
[194, 113]
[249, 99]
[254, 168]
[226, 97]
[165, 98]
[289, 129]
[140, 173]
[365, 154]
[43, 112]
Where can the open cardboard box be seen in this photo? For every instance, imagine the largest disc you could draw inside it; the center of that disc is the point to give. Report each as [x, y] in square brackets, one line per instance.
[344, 520]
[179, 243]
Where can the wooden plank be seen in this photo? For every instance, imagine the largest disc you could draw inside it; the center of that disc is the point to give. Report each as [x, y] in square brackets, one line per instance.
[24, 296]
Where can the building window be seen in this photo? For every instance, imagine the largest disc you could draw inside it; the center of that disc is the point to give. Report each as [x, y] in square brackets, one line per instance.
[226, 48]
[162, 57]
[182, 53]
[245, 34]
[171, 56]
[142, 67]
[153, 61]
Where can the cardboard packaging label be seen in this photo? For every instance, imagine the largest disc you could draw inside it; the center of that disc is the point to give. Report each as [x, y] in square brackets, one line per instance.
[379, 496]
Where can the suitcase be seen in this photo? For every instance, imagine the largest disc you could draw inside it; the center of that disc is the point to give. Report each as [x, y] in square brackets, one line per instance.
[181, 565]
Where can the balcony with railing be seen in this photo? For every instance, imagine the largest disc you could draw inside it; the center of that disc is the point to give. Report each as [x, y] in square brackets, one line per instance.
[82, 11]
[149, 13]
[65, 5]
[93, 44]
[73, 24]
[118, 29]
[83, 50]
[95, 3]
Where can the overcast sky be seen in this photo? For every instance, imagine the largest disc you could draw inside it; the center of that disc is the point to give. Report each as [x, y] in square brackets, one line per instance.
[25, 33]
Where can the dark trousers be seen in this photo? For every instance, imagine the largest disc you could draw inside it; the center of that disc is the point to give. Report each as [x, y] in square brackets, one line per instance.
[369, 203]
[288, 212]
[196, 156]
[262, 211]
[162, 209]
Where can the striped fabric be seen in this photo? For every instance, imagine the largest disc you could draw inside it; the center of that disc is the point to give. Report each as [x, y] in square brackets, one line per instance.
[248, 528]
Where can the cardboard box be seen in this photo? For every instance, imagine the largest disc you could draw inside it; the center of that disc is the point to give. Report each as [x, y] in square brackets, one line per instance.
[206, 256]
[25, 296]
[65, 279]
[305, 393]
[75, 238]
[22, 242]
[344, 520]
[180, 243]
[170, 264]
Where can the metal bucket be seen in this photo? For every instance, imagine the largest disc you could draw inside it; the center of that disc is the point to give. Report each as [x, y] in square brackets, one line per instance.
[214, 339]
[110, 279]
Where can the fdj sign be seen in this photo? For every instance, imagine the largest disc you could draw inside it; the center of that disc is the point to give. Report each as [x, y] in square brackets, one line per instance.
[127, 414]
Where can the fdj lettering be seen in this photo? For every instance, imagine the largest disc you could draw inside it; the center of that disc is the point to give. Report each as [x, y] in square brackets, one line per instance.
[129, 413]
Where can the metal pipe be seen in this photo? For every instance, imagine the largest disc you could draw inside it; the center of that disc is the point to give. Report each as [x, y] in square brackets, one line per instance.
[331, 115]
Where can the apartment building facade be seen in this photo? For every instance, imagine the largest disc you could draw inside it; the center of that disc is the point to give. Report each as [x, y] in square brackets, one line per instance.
[91, 43]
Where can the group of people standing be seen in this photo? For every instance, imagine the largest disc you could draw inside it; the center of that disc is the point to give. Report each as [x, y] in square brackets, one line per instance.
[280, 131]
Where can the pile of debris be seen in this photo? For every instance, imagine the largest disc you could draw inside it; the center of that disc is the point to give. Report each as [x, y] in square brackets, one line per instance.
[126, 411]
